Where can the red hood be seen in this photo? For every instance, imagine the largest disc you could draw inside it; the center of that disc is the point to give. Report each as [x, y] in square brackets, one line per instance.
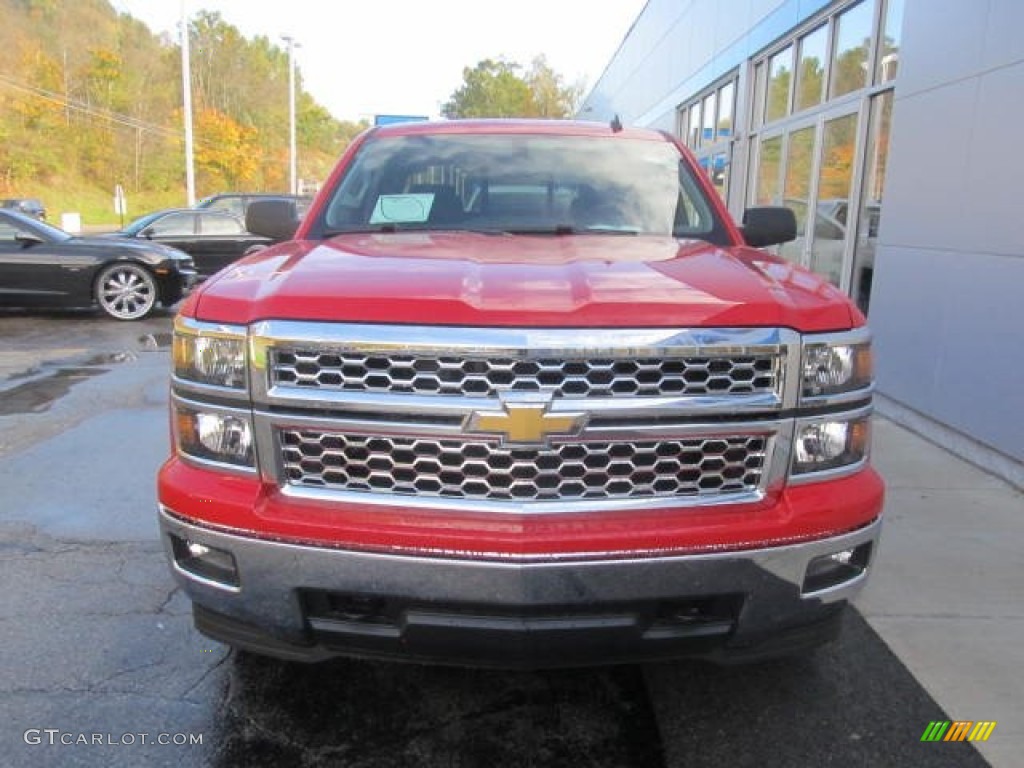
[501, 280]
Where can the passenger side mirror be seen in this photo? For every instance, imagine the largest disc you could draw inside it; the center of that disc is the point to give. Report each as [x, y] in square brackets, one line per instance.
[276, 219]
[148, 233]
[768, 225]
[28, 239]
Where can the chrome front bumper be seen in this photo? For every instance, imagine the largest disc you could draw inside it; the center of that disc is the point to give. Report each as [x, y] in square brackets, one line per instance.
[486, 613]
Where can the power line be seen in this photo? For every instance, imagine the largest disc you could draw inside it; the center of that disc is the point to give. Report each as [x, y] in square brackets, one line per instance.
[78, 106]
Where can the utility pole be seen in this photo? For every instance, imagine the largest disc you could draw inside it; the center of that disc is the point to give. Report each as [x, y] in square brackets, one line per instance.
[186, 89]
[292, 162]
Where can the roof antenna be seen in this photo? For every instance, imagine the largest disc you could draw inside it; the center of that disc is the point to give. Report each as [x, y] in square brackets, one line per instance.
[616, 124]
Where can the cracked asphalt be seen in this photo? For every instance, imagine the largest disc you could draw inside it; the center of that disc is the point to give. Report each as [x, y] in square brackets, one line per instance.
[98, 643]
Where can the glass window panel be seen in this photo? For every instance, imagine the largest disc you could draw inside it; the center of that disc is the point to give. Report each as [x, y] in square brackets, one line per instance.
[780, 72]
[681, 127]
[835, 178]
[769, 163]
[174, 224]
[220, 225]
[810, 83]
[694, 140]
[707, 134]
[876, 157]
[889, 56]
[726, 97]
[797, 187]
[757, 113]
[850, 55]
[720, 173]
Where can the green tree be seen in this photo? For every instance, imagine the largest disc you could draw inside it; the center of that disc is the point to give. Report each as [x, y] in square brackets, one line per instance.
[495, 88]
[491, 89]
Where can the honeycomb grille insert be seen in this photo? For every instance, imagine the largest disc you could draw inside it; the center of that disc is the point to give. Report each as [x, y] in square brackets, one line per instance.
[485, 471]
[480, 377]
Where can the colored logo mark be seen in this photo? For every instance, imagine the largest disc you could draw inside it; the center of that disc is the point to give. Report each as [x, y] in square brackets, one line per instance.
[958, 730]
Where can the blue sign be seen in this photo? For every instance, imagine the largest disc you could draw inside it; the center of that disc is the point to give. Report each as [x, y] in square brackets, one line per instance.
[392, 119]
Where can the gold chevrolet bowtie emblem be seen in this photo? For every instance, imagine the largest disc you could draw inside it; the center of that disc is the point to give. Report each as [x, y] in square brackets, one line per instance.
[526, 422]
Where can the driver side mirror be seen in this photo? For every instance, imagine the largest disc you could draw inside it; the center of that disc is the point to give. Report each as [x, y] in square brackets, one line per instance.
[276, 219]
[768, 225]
[147, 233]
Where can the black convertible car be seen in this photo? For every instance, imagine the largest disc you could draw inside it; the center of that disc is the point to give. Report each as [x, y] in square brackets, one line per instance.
[43, 266]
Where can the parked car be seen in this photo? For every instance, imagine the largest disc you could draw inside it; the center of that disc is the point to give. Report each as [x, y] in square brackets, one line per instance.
[238, 202]
[214, 239]
[30, 206]
[43, 266]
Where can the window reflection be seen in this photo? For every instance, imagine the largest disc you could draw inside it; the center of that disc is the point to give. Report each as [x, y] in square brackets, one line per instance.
[767, 192]
[797, 188]
[835, 179]
[780, 72]
[871, 201]
[889, 55]
[850, 55]
[757, 115]
[707, 134]
[726, 97]
[810, 84]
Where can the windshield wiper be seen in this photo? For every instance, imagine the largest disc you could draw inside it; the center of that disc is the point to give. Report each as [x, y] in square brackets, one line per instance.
[566, 229]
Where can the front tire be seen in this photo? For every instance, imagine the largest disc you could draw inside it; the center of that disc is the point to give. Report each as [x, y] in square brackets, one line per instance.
[126, 291]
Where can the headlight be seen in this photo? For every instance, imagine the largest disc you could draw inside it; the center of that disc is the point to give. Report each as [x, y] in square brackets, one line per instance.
[217, 436]
[836, 366]
[210, 354]
[823, 444]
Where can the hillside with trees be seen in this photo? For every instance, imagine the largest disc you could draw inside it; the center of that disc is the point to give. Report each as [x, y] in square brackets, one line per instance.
[90, 98]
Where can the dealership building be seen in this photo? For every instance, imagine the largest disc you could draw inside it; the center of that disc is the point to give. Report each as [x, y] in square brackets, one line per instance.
[876, 122]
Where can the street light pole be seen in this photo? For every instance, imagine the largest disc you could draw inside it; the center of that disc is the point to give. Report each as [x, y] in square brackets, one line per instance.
[186, 89]
[292, 163]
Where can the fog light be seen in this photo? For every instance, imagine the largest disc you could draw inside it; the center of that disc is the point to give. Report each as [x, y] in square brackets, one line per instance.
[205, 562]
[836, 568]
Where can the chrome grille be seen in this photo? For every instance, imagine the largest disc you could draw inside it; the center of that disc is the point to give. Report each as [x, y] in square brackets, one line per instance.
[483, 376]
[487, 471]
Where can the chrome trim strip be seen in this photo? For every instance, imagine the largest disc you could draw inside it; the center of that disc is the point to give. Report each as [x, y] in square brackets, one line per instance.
[859, 335]
[200, 389]
[526, 508]
[457, 406]
[520, 342]
[454, 430]
[193, 327]
[202, 579]
[840, 398]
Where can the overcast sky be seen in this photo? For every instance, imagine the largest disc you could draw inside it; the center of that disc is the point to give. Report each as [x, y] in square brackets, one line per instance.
[367, 57]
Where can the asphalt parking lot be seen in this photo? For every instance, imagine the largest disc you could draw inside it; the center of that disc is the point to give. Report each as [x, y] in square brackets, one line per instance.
[97, 639]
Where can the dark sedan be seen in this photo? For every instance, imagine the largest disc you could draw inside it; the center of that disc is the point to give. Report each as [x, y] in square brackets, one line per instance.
[43, 266]
[214, 239]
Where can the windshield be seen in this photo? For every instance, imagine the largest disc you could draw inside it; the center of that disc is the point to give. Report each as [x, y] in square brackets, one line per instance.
[142, 222]
[521, 184]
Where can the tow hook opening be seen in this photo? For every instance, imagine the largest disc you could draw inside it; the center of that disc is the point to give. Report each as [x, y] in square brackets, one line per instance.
[836, 568]
[206, 563]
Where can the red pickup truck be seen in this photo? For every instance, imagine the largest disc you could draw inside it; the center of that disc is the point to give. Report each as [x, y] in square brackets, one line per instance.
[519, 393]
